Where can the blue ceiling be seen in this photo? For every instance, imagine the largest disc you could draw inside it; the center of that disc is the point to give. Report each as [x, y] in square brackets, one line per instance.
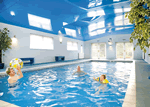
[77, 13]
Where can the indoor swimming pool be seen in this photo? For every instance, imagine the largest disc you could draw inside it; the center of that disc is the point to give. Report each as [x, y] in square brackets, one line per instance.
[57, 87]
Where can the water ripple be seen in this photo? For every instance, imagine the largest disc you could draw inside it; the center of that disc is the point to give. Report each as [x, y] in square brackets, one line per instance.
[58, 87]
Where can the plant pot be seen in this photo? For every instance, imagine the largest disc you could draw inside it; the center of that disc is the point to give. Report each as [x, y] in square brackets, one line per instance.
[1, 65]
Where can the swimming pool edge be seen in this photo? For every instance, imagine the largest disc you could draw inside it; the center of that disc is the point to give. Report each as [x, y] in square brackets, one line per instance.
[130, 97]
[6, 104]
[128, 93]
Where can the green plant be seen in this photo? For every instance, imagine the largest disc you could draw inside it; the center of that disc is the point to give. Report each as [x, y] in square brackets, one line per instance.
[139, 15]
[5, 41]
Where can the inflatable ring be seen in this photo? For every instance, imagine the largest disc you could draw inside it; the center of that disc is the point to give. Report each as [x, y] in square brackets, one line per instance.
[16, 61]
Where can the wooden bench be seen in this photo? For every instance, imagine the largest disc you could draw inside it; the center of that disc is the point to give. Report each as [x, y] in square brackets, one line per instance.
[27, 60]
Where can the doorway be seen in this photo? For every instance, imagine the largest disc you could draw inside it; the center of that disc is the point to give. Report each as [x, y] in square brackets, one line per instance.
[98, 50]
[124, 50]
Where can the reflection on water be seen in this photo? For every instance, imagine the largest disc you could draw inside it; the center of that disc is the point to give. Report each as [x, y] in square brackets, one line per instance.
[57, 86]
[101, 87]
[12, 89]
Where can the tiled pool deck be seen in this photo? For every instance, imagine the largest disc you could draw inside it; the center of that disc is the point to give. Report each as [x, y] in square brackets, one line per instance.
[138, 90]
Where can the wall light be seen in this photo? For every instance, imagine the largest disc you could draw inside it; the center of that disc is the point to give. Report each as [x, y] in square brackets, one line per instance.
[110, 47]
[14, 41]
[12, 13]
[110, 41]
[60, 39]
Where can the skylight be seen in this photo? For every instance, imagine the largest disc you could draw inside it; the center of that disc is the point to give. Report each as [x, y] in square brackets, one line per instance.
[94, 3]
[122, 28]
[118, 17]
[119, 28]
[39, 22]
[70, 32]
[118, 10]
[127, 27]
[100, 12]
[101, 24]
[109, 24]
[95, 13]
[99, 2]
[110, 30]
[65, 23]
[91, 13]
[116, 0]
[91, 4]
[76, 18]
[93, 33]
[118, 23]
[127, 9]
[92, 26]
[79, 30]
[126, 21]
[118, 20]
[101, 31]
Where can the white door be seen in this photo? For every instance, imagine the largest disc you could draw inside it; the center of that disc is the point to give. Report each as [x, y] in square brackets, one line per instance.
[124, 50]
[94, 48]
[102, 47]
[98, 50]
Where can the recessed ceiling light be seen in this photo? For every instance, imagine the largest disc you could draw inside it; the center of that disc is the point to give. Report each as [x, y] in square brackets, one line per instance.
[12, 13]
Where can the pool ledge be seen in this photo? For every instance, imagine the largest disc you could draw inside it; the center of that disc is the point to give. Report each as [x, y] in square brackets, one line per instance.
[50, 65]
[44, 66]
[5, 104]
[130, 97]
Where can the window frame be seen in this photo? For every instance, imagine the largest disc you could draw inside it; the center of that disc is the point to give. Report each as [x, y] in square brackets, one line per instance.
[40, 23]
[42, 40]
[71, 32]
[124, 54]
[71, 47]
[98, 49]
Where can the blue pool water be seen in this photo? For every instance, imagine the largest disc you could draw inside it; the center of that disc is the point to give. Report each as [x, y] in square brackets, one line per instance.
[56, 87]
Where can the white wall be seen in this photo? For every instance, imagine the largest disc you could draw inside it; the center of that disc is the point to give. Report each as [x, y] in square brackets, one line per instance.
[147, 58]
[22, 50]
[111, 54]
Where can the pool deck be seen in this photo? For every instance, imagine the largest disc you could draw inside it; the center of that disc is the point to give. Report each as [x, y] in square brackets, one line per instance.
[142, 84]
[137, 94]
[5, 104]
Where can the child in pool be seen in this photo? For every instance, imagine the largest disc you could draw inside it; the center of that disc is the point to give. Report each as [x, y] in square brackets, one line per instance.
[12, 77]
[101, 79]
[79, 71]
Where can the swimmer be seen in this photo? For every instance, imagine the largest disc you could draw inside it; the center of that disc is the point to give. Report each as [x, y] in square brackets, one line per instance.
[79, 71]
[12, 77]
[101, 79]
[102, 87]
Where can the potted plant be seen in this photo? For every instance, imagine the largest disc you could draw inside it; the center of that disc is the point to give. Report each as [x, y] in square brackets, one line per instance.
[5, 44]
[139, 15]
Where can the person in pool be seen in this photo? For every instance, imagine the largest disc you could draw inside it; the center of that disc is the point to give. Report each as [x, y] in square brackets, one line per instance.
[101, 79]
[79, 71]
[12, 76]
